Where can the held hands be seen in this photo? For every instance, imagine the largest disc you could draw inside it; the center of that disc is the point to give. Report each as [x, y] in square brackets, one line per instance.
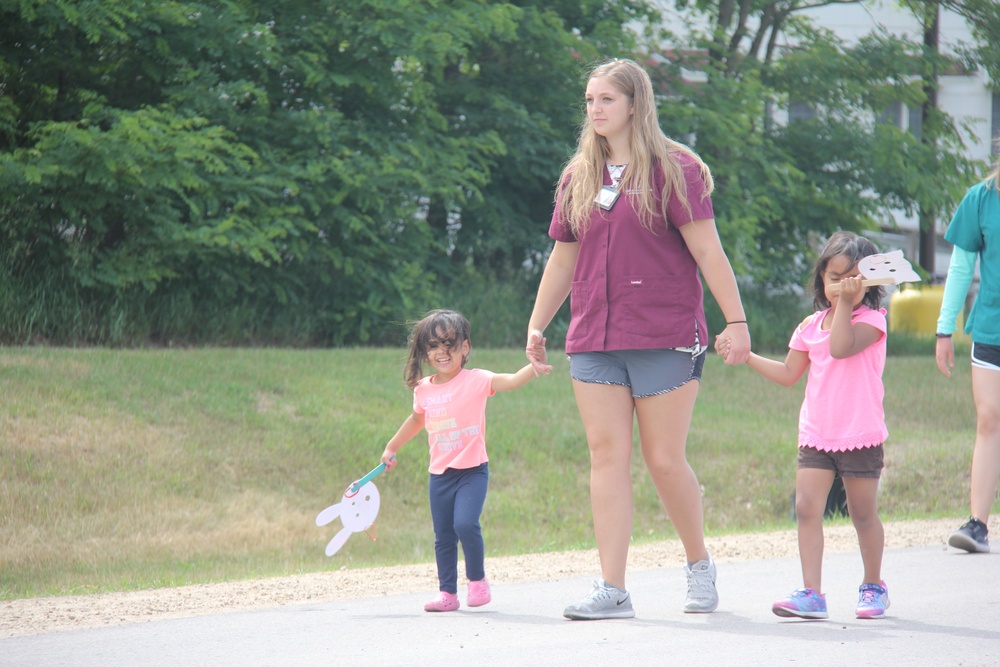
[722, 345]
[536, 353]
[733, 344]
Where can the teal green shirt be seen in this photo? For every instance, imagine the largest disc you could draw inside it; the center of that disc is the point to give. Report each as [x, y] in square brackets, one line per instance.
[975, 228]
[961, 271]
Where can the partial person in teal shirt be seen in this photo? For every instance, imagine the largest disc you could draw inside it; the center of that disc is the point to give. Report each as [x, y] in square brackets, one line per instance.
[975, 232]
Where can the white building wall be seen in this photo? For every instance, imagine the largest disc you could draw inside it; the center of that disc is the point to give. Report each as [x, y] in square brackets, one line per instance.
[968, 99]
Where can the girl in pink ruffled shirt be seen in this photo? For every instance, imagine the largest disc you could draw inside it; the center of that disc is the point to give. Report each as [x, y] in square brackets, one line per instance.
[841, 423]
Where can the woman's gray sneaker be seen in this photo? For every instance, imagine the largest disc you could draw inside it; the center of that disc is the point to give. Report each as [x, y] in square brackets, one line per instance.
[605, 601]
[701, 596]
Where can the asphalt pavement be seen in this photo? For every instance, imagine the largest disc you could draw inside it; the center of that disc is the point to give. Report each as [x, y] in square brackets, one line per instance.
[945, 611]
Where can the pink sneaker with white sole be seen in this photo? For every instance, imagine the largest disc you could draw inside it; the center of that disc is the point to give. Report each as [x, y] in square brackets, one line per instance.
[479, 593]
[443, 602]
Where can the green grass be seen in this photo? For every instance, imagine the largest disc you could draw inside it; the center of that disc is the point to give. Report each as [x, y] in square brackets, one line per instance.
[123, 470]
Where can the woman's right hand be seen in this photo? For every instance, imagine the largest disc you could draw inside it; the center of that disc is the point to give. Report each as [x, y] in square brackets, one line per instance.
[944, 354]
[536, 353]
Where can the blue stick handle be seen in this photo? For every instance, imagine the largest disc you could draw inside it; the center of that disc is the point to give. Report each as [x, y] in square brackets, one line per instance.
[376, 471]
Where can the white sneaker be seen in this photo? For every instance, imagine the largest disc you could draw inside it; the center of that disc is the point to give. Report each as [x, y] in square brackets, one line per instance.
[605, 601]
[702, 597]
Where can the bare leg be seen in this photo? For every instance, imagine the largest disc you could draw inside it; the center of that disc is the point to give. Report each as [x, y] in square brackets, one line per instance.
[664, 422]
[812, 486]
[862, 505]
[607, 414]
[986, 454]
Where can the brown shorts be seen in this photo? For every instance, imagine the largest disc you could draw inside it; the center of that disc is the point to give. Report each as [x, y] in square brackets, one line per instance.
[866, 462]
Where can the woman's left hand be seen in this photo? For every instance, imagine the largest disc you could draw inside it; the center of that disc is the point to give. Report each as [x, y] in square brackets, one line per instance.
[737, 344]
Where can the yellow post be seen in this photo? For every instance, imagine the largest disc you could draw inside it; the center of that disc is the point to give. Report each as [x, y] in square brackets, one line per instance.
[914, 309]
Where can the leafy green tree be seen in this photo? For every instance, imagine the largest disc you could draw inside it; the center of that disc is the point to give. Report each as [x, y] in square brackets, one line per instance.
[782, 185]
[107, 185]
[316, 172]
[984, 20]
[527, 86]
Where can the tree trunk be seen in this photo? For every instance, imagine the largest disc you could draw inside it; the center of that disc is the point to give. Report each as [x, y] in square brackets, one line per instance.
[928, 221]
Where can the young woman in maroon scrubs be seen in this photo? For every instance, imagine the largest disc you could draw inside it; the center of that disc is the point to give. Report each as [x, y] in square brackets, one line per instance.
[633, 225]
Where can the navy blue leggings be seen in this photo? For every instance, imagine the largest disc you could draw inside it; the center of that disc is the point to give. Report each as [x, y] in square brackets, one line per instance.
[457, 498]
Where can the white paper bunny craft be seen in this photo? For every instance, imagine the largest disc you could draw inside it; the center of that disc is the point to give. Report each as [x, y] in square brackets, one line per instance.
[357, 510]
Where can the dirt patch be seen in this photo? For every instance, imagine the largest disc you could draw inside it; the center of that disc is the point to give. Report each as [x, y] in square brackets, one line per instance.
[35, 616]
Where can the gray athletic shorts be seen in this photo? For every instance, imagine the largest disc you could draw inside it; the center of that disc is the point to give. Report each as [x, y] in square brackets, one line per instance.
[646, 372]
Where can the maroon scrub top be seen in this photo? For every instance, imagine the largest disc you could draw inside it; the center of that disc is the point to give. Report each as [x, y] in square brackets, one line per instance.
[634, 289]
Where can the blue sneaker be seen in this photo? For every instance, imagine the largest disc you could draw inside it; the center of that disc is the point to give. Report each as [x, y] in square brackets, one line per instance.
[803, 603]
[873, 600]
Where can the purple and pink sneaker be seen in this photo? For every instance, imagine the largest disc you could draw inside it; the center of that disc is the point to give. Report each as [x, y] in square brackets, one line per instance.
[802, 603]
[873, 600]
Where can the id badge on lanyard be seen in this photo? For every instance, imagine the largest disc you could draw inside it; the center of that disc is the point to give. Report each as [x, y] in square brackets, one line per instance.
[607, 197]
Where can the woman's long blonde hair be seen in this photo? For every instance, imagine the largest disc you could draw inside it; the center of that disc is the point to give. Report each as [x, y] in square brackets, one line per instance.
[583, 175]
